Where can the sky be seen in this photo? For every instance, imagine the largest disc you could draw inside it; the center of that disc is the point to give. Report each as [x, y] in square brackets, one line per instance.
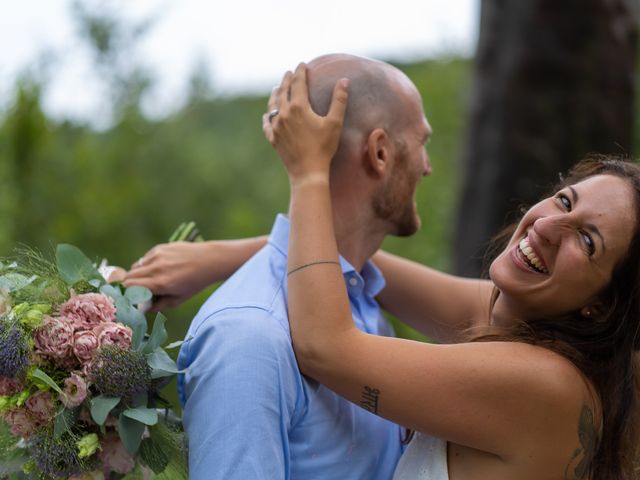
[245, 45]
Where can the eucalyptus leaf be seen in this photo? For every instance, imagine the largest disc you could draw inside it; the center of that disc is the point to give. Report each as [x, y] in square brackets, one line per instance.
[138, 295]
[65, 419]
[74, 266]
[158, 334]
[148, 416]
[46, 379]
[132, 317]
[112, 291]
[161, 364]
[101, 406]
[130, 431]
[15, 281]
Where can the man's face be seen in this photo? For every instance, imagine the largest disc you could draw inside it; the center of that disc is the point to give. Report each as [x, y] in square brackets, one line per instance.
[395, 201]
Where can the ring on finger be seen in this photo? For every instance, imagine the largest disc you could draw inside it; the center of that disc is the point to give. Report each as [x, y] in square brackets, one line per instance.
[272, 114]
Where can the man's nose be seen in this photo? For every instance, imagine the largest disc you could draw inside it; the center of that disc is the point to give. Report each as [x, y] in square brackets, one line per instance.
[426, 164]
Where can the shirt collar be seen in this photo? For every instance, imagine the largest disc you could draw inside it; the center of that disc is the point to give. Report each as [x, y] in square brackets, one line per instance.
[369, 280]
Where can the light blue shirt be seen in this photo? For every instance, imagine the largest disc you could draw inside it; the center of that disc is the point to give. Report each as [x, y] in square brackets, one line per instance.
[249, 413]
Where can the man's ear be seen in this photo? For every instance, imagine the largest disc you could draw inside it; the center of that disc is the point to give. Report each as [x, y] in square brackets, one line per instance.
[379, 152]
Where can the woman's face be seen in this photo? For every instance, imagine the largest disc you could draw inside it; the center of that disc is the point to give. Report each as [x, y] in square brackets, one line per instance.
[565, 248]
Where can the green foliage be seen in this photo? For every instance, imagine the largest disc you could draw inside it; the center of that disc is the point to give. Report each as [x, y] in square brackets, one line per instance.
[11, 457]
[38, 374]
[101, 406]
[130, 432]
[148, 416]
[158, 335]
[74, 266]
[161, 364]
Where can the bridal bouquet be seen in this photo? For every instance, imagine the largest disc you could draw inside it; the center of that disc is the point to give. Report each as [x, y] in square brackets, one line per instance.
[80, 375]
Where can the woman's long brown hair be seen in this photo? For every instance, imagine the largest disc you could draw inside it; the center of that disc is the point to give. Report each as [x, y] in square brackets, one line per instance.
[604, 348]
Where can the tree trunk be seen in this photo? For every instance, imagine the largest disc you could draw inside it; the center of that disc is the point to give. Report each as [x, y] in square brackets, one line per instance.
[554, 80]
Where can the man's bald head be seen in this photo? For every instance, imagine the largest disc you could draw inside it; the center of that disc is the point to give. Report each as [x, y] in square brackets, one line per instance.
[375, 93]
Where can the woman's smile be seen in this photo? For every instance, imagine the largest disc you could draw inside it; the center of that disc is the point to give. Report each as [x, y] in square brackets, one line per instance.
[527, 257]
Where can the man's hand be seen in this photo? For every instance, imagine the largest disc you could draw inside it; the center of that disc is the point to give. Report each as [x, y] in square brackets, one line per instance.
[174, 272]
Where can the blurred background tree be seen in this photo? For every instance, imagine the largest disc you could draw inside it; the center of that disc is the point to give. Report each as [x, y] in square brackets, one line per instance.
[553, 81]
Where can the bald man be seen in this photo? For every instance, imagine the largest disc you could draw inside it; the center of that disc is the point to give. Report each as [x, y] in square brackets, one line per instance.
[248, 411]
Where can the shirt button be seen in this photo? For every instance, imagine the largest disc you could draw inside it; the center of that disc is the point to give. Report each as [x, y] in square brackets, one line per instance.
[353, 281]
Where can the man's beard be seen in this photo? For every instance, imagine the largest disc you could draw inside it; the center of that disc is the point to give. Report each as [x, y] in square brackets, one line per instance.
[394, 201]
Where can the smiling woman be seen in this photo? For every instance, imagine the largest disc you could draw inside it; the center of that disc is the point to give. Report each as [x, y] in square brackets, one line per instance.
[588, 307]
[565, 248]
[562, 327]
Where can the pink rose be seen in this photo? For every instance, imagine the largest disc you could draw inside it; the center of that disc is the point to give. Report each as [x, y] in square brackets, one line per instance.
[54, 338]
[75, 391]
[113, 334]
[85, 344]
[40, 406]
[114, 456]
[20, 422]
[88, 310]
[9, 386]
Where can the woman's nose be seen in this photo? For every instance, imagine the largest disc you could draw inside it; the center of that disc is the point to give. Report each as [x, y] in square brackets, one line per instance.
[551, 228]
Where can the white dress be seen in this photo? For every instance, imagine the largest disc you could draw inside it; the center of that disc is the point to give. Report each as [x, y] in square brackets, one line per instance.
[424, 459]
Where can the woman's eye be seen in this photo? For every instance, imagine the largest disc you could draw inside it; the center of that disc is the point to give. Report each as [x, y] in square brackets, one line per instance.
[589, 244]
[565, 201]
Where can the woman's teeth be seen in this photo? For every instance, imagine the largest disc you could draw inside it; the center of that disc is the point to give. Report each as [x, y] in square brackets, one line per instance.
[530, 257]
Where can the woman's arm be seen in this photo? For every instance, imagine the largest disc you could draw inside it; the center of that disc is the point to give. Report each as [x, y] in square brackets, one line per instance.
[436, 304]
[174, 272]
[477, 395]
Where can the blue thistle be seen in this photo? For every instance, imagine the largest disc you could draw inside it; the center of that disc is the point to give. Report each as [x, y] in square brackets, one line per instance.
[117, 372]
[56, 457]
[14, 350]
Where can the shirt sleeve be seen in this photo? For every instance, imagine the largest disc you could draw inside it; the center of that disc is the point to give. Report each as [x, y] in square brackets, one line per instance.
[241, 388]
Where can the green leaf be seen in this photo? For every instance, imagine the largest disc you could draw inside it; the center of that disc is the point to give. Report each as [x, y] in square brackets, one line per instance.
[112, 291]
[65, 419]
[176, 234]
[148, 416]
[101, 406]
[175, 344]
[186, 230]
[153, 456]
[161, 364]
[138, 295]
[158, 334]
[132, 317]
[15, 281]
[46, 379]
[130, 431]
[74, 265]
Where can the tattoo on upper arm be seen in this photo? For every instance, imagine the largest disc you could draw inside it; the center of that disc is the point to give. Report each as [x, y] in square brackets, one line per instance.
[369, 399]
[584, 453]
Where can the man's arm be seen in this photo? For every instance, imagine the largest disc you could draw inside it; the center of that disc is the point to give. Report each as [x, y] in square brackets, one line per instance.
[174, 272]
[241, 389]
[437, 304]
